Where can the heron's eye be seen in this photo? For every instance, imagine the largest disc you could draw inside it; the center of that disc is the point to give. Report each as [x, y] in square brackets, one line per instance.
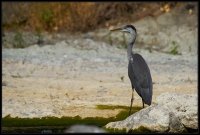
[127, 30]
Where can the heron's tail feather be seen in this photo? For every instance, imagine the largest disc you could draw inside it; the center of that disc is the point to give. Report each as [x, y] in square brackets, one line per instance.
[146, 96]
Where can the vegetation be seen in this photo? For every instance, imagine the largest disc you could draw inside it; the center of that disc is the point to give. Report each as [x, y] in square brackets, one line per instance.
[53, 121]
[75, 16]
[63, 122]
[18, 40]
[174, 48]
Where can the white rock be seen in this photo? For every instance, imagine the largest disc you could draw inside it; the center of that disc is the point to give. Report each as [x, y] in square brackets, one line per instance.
[183, 106]
[173, 113]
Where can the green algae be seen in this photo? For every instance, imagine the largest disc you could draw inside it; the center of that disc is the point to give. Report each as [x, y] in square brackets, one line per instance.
[141, 129]
[111, 107]
[112, 130]
[53, 123]
[123, 113]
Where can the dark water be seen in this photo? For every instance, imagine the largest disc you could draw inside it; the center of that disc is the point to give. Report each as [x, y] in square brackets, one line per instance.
[52, 130]
[40, 130]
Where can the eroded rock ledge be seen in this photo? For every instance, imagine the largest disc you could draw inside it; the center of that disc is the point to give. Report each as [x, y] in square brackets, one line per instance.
[172, 113]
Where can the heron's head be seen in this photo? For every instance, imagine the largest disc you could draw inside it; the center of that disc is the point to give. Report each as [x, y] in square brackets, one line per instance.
[129, 29]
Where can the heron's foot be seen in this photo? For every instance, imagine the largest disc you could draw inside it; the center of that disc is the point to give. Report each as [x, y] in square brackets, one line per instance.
[143, 103]
[129, 112]
[131, 106]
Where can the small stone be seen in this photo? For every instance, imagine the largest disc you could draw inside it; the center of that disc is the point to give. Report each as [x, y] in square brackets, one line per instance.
[84, 129]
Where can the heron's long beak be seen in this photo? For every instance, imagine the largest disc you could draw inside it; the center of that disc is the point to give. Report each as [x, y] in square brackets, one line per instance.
[117, 29]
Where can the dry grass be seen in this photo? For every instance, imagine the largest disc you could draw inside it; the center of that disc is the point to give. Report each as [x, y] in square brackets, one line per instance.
[73, 16]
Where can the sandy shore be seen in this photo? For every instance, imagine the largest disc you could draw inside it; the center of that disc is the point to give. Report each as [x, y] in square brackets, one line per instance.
[63, 80]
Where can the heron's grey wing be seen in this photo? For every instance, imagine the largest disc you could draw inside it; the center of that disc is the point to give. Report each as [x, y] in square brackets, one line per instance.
[140, 77]
[131, 75]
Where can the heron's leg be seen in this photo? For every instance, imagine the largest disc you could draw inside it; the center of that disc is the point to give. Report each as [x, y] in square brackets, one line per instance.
[143, 103]
[131, 103]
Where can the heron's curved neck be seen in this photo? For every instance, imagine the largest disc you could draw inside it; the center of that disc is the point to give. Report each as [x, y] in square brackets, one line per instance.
[130, 46]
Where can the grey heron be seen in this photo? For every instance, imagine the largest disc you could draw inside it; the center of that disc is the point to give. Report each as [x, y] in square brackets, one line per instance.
[138, 70]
